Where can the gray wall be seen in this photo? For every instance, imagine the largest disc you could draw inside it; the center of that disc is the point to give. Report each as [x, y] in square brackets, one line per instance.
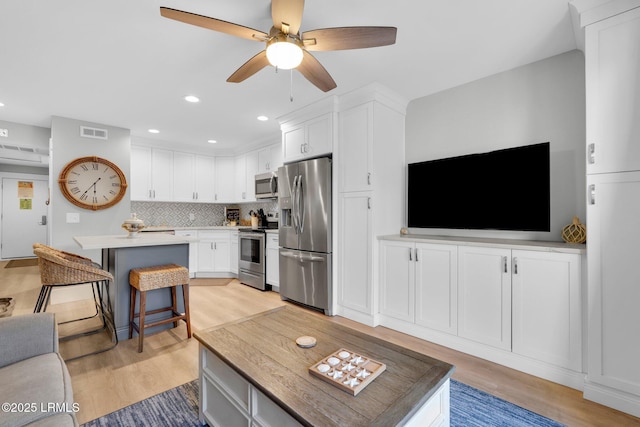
[67, 145]
[539, 102]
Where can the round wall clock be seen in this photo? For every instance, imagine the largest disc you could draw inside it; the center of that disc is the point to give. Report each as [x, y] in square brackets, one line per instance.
[92, 183]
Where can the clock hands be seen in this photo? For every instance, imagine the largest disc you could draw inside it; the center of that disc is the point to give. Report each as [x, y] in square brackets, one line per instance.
[94, 188]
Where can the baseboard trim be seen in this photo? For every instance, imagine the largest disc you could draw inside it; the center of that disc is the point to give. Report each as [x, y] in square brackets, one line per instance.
[612, 398]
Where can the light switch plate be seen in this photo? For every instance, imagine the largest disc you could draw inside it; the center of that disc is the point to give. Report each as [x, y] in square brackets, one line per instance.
[73, 218]
[4, 133]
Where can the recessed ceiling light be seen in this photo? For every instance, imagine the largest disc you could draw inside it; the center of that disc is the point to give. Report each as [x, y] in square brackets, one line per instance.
[1, 104]
[154, 131]
[212, 141]
[191, 98]
[263, 118]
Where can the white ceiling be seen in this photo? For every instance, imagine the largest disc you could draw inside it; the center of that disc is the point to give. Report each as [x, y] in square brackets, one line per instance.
[119, 63]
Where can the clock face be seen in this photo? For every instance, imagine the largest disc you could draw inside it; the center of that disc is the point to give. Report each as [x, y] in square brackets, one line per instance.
[92, 183]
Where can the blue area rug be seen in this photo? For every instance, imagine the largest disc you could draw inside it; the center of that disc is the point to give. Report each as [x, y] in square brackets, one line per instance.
[178, 407]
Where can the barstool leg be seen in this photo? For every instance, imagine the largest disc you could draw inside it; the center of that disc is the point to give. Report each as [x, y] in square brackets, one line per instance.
[141, 320]
[185, 297]
[132, 310]
[174, 305]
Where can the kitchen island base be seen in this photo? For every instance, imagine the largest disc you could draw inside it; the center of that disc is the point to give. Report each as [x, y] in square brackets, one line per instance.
[252, 373]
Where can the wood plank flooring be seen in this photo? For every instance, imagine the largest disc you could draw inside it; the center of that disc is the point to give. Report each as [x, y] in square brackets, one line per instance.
[117, 378]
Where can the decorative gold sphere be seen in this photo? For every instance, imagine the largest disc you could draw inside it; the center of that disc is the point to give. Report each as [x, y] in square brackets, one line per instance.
[575, 232]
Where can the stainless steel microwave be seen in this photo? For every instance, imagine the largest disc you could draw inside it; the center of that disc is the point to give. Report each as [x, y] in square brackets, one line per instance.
[267, 185]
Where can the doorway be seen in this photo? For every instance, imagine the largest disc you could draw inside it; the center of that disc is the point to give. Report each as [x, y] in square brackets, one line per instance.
[24, 216]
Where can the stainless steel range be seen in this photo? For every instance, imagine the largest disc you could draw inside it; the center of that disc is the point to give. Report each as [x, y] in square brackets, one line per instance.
[251, 258]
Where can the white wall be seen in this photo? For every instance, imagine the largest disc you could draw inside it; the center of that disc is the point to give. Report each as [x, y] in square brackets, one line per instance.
[539, 102]
[67, 145]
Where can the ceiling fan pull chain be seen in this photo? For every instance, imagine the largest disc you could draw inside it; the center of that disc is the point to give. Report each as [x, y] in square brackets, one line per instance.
[291, 86]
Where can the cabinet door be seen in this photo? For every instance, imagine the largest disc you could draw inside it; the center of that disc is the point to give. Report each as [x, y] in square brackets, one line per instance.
[205, 256]
[319, 136]
[612, 66]
[397, 279]
[240, 181]
[547, 302]
[356, 135]
[205, 179]
[233, 255]
[613, 281]
[355, 263]
[273, 263]
[251, 169]
[222, 254]
[162, 175]
[276, 157]
[224, 174]
[193, 250]
[293, 141]
[437, 286]
[183, 177]
[141, 187]
[484, 295]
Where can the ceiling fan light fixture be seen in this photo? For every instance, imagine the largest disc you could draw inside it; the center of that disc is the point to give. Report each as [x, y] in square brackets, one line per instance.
[284, 52]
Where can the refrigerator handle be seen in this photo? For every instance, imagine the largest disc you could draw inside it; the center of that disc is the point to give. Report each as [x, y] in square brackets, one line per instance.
[300, 200]
[294, 214]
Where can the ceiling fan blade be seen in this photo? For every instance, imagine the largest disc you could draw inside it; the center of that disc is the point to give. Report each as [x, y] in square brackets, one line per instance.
[249, 68]
[213, 24]
[341, 38]
[313, 71]
[289, 12]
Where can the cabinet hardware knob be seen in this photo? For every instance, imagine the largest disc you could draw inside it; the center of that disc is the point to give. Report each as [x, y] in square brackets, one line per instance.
[410, 255]
[591, 153]
[592, 194]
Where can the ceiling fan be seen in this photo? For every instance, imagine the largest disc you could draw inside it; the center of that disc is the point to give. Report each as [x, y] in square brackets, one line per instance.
[286, 47]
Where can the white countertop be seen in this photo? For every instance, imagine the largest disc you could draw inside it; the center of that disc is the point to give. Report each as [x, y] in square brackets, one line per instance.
[532, 245]
[124, 241]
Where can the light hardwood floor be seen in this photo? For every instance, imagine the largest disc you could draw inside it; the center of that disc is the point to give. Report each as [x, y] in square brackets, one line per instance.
[109, 381]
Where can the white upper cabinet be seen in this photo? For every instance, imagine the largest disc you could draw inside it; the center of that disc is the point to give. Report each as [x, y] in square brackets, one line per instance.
[225, 173]
[356, 145]
[184, 173]
[612, 67]
[270, 158]
[151, 174]
[246, 167]
[205, 179]
[311, 138]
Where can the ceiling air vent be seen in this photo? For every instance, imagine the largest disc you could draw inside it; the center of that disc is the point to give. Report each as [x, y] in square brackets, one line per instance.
[89, 132]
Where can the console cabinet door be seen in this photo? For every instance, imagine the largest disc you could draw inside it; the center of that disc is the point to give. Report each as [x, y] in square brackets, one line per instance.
[484, 295]
[547, 315]
[397, 279]
[436, 286]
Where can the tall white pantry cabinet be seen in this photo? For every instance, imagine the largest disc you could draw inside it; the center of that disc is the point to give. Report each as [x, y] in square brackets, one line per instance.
[370, 171]
[612, 67]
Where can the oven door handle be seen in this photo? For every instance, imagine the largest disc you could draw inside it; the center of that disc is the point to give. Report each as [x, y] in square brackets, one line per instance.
[302, 258]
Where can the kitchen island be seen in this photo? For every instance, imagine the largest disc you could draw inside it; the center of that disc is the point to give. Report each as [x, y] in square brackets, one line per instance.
[252, 372]
[121, 253]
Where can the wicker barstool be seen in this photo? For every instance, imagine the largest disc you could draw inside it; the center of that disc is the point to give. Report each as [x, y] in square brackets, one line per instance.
[158, 277]
[60, 269]
[45, 291]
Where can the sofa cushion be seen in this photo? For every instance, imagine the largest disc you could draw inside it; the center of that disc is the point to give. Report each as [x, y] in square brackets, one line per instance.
[42, 382]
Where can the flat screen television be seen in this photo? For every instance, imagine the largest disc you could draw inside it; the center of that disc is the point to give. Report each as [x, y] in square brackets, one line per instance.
[500, 190]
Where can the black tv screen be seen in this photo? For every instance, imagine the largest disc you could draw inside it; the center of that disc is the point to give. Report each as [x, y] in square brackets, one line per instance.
[500, 190]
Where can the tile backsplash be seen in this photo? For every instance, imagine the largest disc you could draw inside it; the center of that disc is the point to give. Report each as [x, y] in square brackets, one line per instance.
[203, 214]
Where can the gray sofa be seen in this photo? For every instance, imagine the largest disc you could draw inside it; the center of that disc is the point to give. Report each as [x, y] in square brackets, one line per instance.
[35, 386]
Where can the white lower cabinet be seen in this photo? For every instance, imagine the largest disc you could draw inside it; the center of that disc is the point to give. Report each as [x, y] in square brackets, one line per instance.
[521, 308]
[484, 295]
[273, 260]
[227, 399]
[547, 307]
[235, 247]
[419, 283]
[214, 251]
[193, 250]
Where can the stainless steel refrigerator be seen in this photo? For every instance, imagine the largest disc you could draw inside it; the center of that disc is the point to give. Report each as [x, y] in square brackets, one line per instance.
[304, 198]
